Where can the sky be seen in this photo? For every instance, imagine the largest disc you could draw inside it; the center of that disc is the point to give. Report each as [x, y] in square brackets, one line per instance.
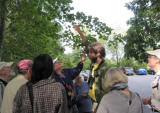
[111, 12]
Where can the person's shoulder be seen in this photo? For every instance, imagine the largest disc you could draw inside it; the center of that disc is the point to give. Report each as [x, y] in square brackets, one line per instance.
[104, 64]
[50, 83]
[1, 83]
[108, 97]
[22, 89]
[103, 68]
[13, 81]
[134, 94]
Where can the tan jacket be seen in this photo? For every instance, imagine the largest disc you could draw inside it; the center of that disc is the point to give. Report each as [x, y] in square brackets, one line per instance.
[10, 92]
[155, 101]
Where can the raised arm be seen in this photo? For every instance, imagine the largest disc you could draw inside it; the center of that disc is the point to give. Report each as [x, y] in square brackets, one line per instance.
[76, 27]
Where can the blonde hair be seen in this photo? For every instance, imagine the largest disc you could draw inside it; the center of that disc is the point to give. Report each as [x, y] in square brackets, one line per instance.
[114, 76]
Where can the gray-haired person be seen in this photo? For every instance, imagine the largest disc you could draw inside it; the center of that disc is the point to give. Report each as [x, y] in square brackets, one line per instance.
[6, 73]
[120, 99]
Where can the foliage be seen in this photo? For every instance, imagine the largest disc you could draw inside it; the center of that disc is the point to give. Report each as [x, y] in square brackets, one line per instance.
[114, 45]
[125, 62]
[41, 26]
[74, 59]
[144, 31]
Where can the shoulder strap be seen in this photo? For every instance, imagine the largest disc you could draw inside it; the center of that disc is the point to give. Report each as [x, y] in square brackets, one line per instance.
[140, 101]
[4, 82]
[130, 98]
[30, 89]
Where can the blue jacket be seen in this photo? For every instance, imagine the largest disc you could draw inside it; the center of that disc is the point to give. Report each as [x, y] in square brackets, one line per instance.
[70, 74]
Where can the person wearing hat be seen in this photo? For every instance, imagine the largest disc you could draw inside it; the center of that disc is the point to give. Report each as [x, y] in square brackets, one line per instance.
[82, 99]
[24, 74]
[65, 77]
[41, 94]
[6, 73]
[154, 62]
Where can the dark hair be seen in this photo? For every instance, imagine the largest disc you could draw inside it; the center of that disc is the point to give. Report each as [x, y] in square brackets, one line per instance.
[97, 47]
[42, 68]
[20, 71]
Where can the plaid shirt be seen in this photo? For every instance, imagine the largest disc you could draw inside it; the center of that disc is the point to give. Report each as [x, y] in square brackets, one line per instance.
[47, 96]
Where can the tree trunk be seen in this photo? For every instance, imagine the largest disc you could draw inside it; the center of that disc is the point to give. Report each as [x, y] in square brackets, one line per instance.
[117, 57]
[2, 25]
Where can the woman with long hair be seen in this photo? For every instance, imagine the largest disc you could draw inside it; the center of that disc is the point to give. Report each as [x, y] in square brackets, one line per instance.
[41, 94]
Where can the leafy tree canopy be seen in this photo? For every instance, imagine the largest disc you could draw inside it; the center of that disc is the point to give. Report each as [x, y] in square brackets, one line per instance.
[41, 26]
[144, 31]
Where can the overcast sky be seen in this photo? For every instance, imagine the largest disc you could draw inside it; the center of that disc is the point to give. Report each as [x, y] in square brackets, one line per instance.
[112, 12]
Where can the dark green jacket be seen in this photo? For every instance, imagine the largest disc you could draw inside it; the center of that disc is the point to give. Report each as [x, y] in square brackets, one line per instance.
[99, 80]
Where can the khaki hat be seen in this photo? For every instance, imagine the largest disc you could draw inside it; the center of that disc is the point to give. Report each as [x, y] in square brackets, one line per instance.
[5, 64]
[155, 53]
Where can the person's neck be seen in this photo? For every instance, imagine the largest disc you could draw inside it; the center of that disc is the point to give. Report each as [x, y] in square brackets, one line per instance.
[99, 60]
[156, 68]
[59, 72]
[125, 92]
[27, 76]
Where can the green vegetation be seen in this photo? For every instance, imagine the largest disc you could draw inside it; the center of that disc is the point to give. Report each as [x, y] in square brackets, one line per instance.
[32, 27]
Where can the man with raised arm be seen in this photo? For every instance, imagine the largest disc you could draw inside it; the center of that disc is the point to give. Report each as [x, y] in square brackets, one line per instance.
[96, 53]
[66, 76]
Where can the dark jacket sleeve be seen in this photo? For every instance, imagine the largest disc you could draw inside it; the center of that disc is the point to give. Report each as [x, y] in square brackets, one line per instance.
[74, 72]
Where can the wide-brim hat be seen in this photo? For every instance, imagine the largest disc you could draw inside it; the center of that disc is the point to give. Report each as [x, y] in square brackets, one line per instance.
[155, 53]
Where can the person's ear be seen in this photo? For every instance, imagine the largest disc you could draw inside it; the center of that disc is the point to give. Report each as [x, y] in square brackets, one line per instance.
[29, 70]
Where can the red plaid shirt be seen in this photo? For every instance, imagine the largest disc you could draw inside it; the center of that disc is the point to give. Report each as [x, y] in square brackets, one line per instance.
[48, 95]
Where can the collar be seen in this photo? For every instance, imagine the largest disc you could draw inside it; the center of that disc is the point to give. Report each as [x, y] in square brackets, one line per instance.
[98, 65]
[158, 73]
[21, 76]
[3, 79]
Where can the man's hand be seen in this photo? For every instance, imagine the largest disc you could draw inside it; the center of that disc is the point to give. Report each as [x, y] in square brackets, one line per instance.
[76, 27]
[83, 58]
[146, 100]
[94, 111]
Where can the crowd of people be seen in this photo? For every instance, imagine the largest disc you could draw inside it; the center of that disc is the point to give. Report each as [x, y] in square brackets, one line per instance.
[44, 86]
